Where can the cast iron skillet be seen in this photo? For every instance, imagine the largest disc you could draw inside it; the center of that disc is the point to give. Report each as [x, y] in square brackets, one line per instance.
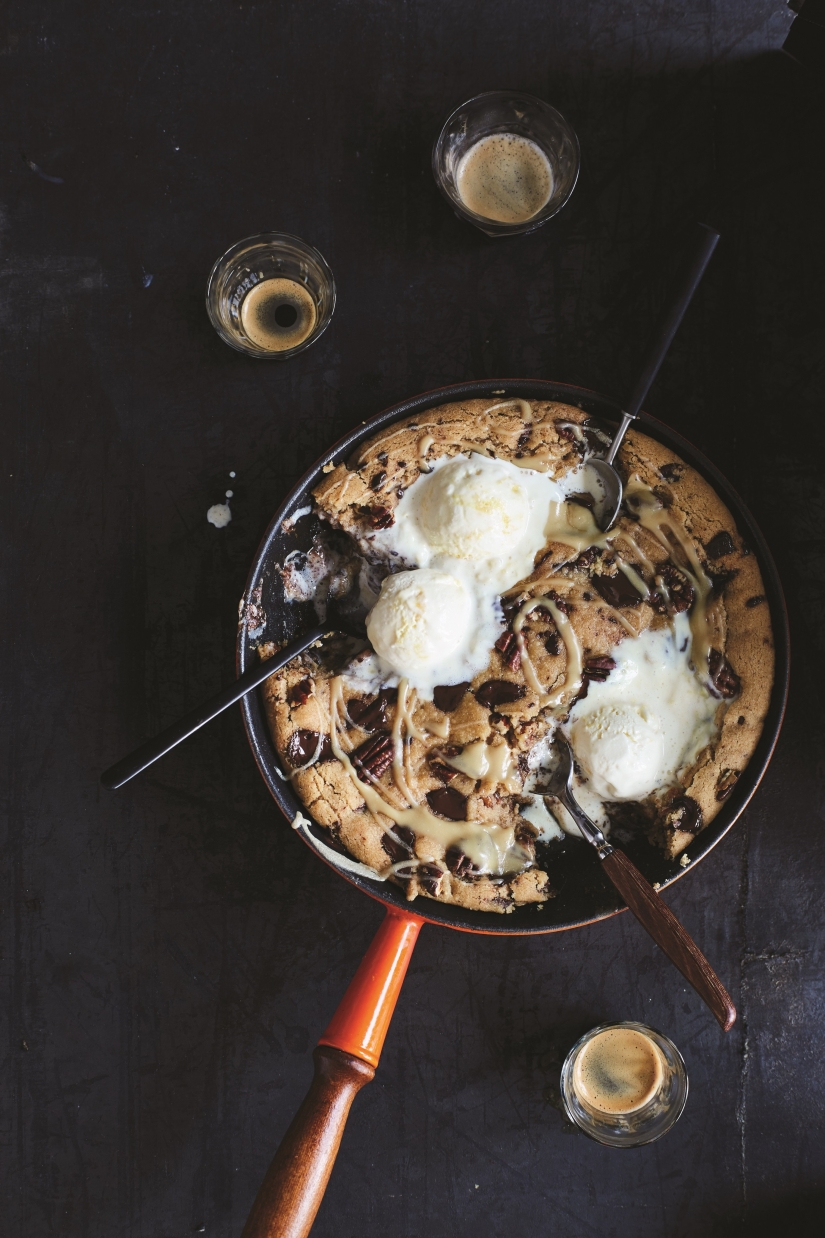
[349, 1050]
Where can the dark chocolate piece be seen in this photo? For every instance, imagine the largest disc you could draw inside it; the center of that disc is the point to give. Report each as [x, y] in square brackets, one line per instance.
[684, 814]
[719, 545]
[499, 692]
[302, 745]
[448, 697]
[616, 590]
[448, 802]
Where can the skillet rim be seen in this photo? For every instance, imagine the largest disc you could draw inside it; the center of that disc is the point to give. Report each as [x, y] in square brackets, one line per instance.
[254, 718]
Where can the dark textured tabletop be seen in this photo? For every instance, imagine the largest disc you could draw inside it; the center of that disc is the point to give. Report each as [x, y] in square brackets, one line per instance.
[171, 951]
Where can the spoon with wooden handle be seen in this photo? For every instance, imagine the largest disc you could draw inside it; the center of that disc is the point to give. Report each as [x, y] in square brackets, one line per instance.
[650, 910]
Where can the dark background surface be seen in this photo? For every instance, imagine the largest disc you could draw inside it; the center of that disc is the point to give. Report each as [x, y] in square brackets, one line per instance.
[170, 952]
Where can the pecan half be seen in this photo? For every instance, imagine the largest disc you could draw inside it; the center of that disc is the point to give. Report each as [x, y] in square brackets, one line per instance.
[507, 645]
[723, 677]
[679, 592]
[459, 864]
[598, 668]
[725, 783]
[300, 693]
[374, 756]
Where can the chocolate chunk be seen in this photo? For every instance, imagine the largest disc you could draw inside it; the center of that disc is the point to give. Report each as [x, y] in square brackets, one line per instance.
[553, 643]
[523, 438]
[740, 721]
[723, 676]
[377, 517]
[721, 579]
[670, 472]
[448, 697]
[378, 480]
[499, 692]
[302, 746]
[448, 802]
[684, 814]
[374, 756]
[582, 498]
[399, 843]
[382, 457]
[459, 864]
[720, 544]
[430, 876]
[725, 783]
[616, 590]
[755, 601]
[680, 592]
[371, 714]
[402, 464]
[587, 558]
[598, 669]
[300, 693]
[595, 441]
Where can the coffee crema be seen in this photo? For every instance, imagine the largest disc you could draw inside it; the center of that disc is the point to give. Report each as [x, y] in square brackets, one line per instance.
[504, 177]
[618, 1072]
[278, 314]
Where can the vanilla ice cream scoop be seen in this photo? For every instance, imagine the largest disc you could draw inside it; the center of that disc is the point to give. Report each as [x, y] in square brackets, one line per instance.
[621, 749]
[420, 618]
[474, 509]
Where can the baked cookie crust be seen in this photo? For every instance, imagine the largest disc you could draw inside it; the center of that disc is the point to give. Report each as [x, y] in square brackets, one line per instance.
[674, 531]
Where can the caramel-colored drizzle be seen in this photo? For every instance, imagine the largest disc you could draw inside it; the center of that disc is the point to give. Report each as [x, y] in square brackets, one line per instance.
[424, 444]
[573, 678]
[491, 848]
[652, 516]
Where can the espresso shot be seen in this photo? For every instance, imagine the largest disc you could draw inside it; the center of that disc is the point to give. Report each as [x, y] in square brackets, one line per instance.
[506, 163]
[270, 296]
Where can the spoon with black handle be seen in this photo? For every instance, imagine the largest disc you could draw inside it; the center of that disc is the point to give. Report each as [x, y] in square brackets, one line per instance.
[607, 505]
[343, 617]
[650, 910]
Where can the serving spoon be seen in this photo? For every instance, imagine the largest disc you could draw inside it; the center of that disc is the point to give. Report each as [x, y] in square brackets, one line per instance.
[650, 910]
[345, 616]
[606, 508]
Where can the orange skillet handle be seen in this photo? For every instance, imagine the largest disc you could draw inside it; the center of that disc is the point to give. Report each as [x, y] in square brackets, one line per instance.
[345, 1060]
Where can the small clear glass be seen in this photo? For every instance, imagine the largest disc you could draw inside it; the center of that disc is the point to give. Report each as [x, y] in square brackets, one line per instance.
[639, 1126]
[501, 111]
[248, 263]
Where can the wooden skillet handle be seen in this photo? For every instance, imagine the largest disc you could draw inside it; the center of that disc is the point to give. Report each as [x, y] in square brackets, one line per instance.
[345, 1060]
[295, 1182]
[655, 916]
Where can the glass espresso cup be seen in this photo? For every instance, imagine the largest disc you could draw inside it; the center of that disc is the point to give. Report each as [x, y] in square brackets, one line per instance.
[624, 1084]
[506, 162]
[270, 296]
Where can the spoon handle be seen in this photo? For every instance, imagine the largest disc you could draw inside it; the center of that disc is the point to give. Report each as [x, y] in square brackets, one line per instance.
[658, 920]
[157, 747]
[706, 241]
